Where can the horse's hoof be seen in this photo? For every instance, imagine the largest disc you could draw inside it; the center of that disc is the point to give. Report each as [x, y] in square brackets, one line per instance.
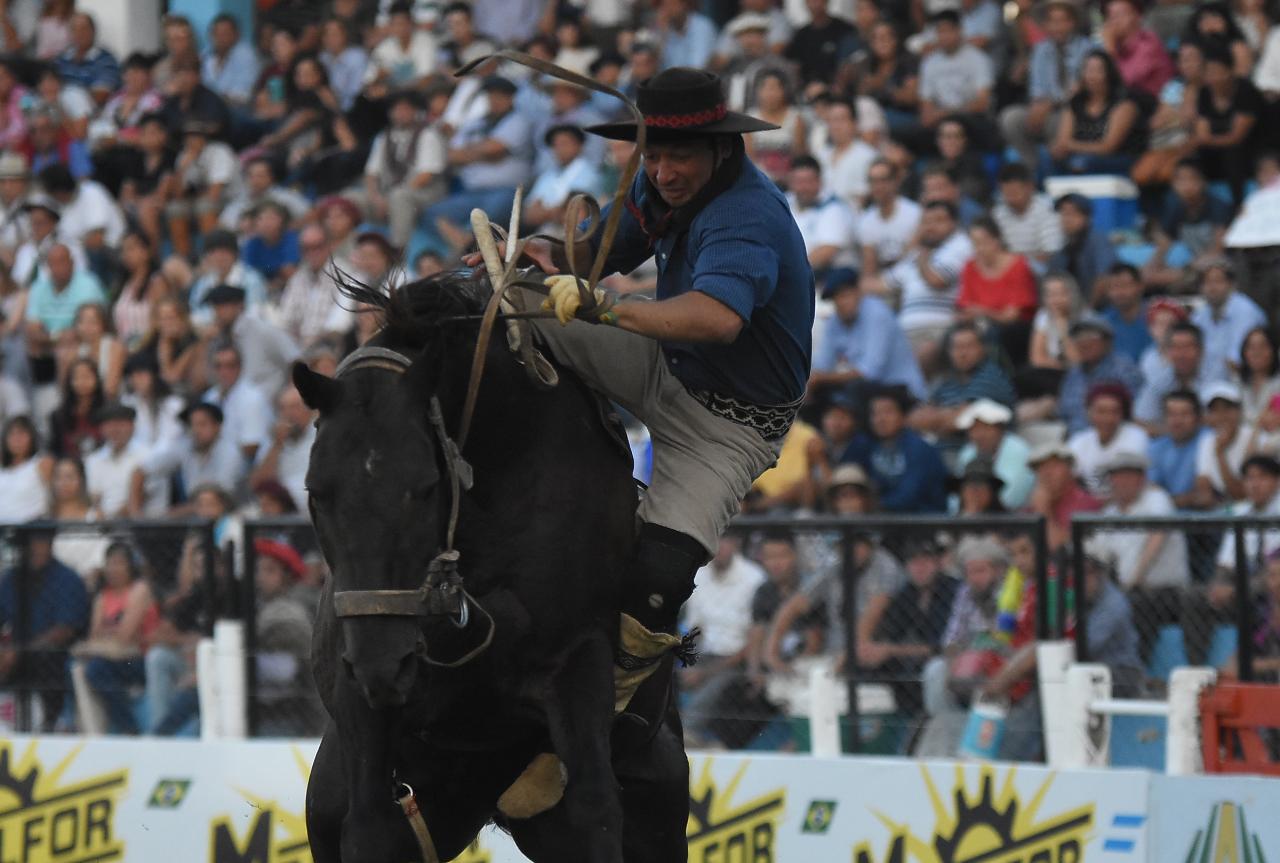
[537, 789]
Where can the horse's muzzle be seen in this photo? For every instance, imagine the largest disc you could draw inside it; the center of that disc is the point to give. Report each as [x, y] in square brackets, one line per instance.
[382, 658]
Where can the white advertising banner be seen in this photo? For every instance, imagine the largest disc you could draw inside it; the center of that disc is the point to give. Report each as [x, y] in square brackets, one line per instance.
[1215, 819]
[68, 800]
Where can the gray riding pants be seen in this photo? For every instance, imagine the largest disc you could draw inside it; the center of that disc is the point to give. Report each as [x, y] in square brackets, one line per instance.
[703, 464]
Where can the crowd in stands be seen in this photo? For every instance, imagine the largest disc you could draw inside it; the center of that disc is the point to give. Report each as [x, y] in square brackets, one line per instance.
[174, 224]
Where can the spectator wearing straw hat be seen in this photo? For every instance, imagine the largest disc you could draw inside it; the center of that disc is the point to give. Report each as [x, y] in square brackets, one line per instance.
[986, 425]
[1057, 495]
[15, 182]
[1151, 565]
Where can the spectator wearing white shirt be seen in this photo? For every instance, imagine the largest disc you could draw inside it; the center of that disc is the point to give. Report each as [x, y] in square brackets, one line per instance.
[928, 278]
[845, 158]
[245, 408]
[721, 607]
[90, 216]
[1027, 220]
[405, 172]
[404, 59]
[1151, 565]
[156, 425]
[310, 309]
[288, 456]
[827, 223]
[888, 224]
[43, 217]
[115, 472]
[205, 177]
[1220, 456]
[572, 171]
[1110, 431]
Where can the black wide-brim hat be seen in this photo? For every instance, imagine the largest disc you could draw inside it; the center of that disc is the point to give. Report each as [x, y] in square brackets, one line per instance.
[678, 103]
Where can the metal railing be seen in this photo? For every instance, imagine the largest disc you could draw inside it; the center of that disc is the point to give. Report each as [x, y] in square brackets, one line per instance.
[1084, 526]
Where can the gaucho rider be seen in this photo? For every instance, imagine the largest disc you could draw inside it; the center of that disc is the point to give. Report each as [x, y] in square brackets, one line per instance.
[717, 366]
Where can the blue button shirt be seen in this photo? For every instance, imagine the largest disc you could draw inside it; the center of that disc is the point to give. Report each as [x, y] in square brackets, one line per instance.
[1173, 464]
[56, 595]
[1132, 336]
[873, 344]
[1225, 330]
[744, 249]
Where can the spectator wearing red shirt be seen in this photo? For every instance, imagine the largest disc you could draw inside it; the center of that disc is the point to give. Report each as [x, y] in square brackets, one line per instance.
[998, 287]
[1057, 494]
[1144, 63]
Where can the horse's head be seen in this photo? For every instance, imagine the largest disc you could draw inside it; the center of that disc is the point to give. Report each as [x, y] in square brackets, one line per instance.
[379, 493]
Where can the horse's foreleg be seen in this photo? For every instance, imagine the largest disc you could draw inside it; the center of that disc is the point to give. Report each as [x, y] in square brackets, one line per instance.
[580, 715]
[374, 828]
[326, 800]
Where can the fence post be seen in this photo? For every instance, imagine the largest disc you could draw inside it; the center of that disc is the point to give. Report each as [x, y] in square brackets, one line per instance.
[849, 577]
[1183, 756]
[1244, 605]
[249, 617]
[1077, 592]
[1041, 539]
[22, 632]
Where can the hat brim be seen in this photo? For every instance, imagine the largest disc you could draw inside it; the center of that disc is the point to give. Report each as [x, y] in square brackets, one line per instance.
[732, 123]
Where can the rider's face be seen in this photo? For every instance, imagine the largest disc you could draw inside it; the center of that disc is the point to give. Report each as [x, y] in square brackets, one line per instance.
[679, 170]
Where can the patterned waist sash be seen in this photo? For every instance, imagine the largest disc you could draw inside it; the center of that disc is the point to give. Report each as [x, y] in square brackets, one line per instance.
[771, 421]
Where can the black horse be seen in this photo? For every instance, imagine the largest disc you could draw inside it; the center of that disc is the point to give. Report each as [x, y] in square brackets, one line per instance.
[544, 536]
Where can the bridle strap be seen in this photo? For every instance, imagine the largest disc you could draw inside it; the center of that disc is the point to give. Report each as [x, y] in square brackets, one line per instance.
[372, 356]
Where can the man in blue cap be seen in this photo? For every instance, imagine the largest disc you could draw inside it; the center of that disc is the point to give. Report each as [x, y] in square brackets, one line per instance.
[717, 366]
[861, 342]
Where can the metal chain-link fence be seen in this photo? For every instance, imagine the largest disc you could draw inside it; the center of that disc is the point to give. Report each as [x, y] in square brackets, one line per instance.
[1193, 584]
[281, 588]
[99, 620]
[945, 615]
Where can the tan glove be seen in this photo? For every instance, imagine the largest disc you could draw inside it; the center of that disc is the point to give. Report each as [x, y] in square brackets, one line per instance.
[565, 298]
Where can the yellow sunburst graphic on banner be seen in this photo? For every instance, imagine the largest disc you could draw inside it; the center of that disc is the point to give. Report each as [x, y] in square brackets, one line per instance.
[985, 825]
[719, 825]
[45, 819]
[279, 834]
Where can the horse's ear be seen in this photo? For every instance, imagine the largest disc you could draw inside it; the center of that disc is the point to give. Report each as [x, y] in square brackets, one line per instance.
[424, 375]
[320, 392]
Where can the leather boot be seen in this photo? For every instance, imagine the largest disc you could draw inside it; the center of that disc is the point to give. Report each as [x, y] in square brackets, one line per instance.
[661, 579]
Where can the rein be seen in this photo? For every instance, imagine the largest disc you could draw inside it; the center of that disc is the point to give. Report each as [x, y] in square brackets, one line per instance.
[442, 591]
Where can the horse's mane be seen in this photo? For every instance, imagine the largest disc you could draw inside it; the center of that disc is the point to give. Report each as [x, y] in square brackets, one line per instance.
[415, 311]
